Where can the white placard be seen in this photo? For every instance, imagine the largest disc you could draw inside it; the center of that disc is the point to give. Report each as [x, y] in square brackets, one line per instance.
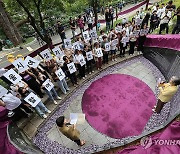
[125, 40]
[81, 60]
[67, 43]
[107, 46]
[136, 33]
[71, 67]
[60, 74]
[76, 45]
[86, 36]
[142, 32]
[89, 55]
[20, 65]
[12, 76]
[3, 91]
[57, 52]
[138, 21]
[32, 99]
[31, 62]
[114, 42]
[73, 118]
[93, 34]
[48, 84]
[99, 52]
[46, 55]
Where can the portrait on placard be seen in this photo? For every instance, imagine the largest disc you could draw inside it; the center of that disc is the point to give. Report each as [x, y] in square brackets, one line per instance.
[86, 36]
[31, 62]
[48, 85]
[89, 55]
[115, 42]
[46, 55]
[71, 68]
[99, 52]
[57, 52]
[76, 45]
[60, 74]
[12, 76]
[20, 65]
[3, 91]
[67, 43]
[107, 46]
[32, 99]
[93, 34]
[82, 60]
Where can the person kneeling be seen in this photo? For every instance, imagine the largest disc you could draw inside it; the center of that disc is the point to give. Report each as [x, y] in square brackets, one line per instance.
[69, 131]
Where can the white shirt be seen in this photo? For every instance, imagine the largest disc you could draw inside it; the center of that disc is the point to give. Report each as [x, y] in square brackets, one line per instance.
[12, 102]
[165, 19]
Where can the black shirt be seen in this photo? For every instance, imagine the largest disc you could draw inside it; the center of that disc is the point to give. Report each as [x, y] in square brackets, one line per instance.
[72, 24]
[108, 16]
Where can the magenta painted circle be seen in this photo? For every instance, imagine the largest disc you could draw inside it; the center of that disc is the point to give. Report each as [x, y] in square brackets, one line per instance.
[118, 105]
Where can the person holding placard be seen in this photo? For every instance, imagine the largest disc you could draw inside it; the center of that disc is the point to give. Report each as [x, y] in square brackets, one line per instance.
[72, 76]
[61, 83]
[61, 31]
[69, 131]
[106, 47]
[123, 44]
[114, 43]
[132, 41]
[98, 55]
[32, 82]
[50, 92]
[40, 107]
[79, 60]
[89, 59]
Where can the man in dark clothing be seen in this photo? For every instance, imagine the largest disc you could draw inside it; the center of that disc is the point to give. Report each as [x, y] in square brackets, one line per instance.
[153, 21]
[108, 20]
[176, 28]
[60, 29]
[170, 6]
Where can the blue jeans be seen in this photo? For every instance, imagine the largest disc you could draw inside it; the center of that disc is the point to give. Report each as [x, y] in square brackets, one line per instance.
[51, 93]
[63, 85]
[41, 109]
[108, 26]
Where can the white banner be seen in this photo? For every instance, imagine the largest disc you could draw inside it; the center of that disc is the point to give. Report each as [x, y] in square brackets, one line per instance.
[107, 46]
[57, 52]
[12, 76]
[71, 67]
[32, 99]
[76, 45]
[48, 84]
[99, 52]
[31, 62]
[86, 36]
[3, 91]
[60, 74]
[89, 55]
[82, 60]
[67, 43]
[20, 65]
[46, 55]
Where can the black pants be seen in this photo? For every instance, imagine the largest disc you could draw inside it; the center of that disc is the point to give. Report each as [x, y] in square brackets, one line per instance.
[141, 41]
[164, 26]
[105, 57]
[73, 78]
[176, 29]
[159, 106]
[89, 66]
[78, 142]
[81, 70]
[132, 45]
[90, 26]
[153, 26]
[122, 49]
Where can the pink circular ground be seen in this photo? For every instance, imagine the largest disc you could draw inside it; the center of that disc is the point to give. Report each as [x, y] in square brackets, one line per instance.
[118, 105]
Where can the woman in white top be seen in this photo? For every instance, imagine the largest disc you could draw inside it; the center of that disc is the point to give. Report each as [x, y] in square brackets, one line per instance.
[132, 40]
[97, 52]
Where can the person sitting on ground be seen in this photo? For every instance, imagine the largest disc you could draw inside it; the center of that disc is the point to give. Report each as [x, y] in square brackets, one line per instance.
[167, 91]
[69, 131]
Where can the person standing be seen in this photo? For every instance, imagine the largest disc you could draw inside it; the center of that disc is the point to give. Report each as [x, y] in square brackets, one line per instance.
[90, 21]
[69, 130]
[80, 23]
[153, 21]
[167, 91]
[176, 28]
[72, 24]
[61, 31]
[108, 20]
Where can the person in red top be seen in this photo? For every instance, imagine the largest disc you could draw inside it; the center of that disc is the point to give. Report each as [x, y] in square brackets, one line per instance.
[80, 23]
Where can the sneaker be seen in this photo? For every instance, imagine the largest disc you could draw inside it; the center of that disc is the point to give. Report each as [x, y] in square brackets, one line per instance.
[68, 89]
[48, 111]
[58, 98]
[93, 71]
[112, 59]
[10, 114]
[153, 110]
[115, 59]
[55, 102]
[83, 78]
[89, 73]
[44, 116]
[154, 106]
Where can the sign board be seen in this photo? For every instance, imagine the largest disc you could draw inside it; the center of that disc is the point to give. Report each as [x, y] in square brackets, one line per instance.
[57, 52]
[48, 84]
[99, 52]
[31, 62]
[20, 65]
[60, 74]
[71, 67]
[67, 43]
[89, 55]
[107, 46]
[32, 99]
[46, 55]
[12, 76]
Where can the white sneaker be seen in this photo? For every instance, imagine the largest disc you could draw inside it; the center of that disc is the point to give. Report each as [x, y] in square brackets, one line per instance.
[44, 116]
[112, 59]
[55, 102]
[115, 59]
[58, 98]
[48, 111]
[153, 110]
[83, 78]
[89, 73]
[93, 71]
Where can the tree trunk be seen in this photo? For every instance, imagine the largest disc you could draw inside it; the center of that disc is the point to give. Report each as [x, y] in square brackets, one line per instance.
[95, 5]
[147, 3]
[9, 28]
